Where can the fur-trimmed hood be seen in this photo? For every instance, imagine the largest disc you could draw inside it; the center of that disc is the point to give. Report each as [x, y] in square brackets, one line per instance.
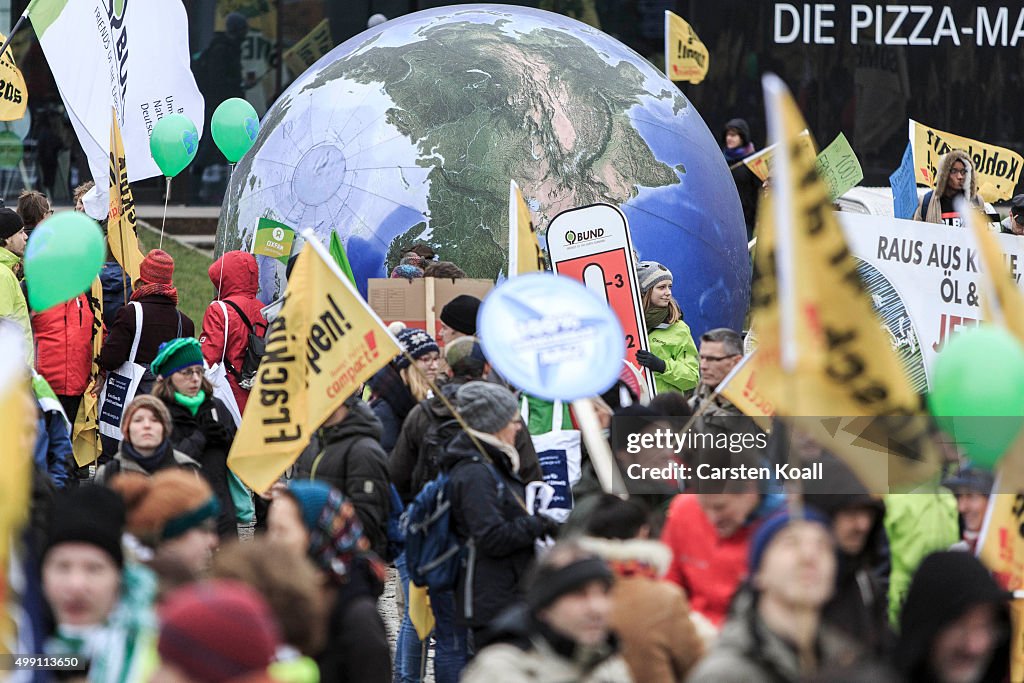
[635, 551]
[942, 174]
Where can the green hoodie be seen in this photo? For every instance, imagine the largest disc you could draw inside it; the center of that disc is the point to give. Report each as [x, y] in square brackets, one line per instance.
[12, 301]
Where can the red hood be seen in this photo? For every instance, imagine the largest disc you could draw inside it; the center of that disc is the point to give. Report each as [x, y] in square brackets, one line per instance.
[240, 277]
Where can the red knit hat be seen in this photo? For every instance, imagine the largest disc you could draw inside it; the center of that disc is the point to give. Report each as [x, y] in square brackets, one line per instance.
[216, 631]
[157, 268]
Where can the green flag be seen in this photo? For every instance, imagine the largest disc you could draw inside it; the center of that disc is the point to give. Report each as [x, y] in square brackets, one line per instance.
[339, 256]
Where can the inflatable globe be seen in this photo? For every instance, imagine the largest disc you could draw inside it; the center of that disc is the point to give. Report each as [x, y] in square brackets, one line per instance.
[411, 131]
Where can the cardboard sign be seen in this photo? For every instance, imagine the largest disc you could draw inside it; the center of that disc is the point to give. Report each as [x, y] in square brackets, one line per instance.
[592, 245]
[839, 168]
[417, 302]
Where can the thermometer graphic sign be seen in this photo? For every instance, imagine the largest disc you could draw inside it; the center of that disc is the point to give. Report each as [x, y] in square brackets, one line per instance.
[591, 244]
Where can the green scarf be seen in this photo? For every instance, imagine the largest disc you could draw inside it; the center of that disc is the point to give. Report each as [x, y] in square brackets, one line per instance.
[191, 403]
[654, 316]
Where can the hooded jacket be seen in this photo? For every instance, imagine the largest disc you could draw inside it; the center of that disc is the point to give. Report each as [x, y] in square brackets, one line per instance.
[933, 212]
[746, 650]
[12, 300]
[352, 460]
[489, 517]
[651, 617]
[674, 345]
[63, 336]
[239, 285]
[407, 465]
[945, 586]
[527, 651]
[858, 608]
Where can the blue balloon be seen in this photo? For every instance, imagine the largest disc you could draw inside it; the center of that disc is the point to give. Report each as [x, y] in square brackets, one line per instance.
[394, 138]
[552, 337]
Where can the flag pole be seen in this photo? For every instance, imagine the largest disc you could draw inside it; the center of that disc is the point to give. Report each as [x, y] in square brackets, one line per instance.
[17, 25]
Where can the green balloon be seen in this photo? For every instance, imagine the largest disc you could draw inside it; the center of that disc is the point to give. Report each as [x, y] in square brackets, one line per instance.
[174, 143]
[976, 394]
[63, 256]
[235, 126]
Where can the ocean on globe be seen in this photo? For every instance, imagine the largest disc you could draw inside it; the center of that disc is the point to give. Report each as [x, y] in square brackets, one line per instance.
[411, 131]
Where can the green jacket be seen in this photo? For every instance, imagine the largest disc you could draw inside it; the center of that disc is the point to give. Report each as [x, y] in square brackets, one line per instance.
[12, 301]
[674, 345]
[917, 524]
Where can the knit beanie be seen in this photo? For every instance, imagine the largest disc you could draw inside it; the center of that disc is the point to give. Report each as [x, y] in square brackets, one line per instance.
[177, 354]
[10, 223]
[486, 407]
[409, 272]
[157, 268]
[650, 273]
[773, 525]
[217, 630]
[167, 504]
[460, 314]
[547, 584]
[417, 343]
[311, 496]
[153, 404]
[88, 514]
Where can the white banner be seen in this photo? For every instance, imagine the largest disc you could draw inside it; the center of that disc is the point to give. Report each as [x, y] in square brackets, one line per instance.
[922, 279]
[131, 55]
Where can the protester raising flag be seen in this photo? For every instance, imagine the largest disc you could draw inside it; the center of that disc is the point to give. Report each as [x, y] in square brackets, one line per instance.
[822, 351]
[323, 345]
[132, 56]
[122, 234]
[686, 57]
[524, 255]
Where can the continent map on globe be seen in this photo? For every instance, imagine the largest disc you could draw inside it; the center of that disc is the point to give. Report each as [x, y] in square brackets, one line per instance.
[411, 131]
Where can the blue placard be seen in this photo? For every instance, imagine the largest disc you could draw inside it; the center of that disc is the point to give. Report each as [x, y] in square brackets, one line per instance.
[551, 337]
[904, 186]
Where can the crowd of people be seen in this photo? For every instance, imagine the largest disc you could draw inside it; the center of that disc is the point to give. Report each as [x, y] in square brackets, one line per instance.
[145, 562]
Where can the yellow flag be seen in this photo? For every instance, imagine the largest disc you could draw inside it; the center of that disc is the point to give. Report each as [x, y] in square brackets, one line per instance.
[17, 439]
[760, 163]
[322, 346]
[1001, 549]
[686, 57]
[13, 92]
[420, 613]
[312, 47]
[822, 351]
[85, 435]
[1001, 301]
[122, 234]
[998, 169]
[740, 388]
[524, 255]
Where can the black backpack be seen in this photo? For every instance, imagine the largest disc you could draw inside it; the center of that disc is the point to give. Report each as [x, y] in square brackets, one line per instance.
[255, 349]
[431, 448]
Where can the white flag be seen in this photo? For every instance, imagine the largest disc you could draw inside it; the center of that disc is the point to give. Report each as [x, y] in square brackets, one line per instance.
[131, 55]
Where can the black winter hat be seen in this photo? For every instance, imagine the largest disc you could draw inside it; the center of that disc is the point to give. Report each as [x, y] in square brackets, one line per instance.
[460, 314]
[10, 223]
[89, 514]
[944, 587]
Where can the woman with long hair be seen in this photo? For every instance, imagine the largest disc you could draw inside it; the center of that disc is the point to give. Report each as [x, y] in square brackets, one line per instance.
[397, 387]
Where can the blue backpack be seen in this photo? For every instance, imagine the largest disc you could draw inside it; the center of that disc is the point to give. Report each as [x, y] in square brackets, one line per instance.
[433, 553]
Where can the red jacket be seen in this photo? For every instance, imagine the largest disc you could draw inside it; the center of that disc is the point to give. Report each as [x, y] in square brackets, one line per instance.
[709, 568]
[63, 339]
[239, 285]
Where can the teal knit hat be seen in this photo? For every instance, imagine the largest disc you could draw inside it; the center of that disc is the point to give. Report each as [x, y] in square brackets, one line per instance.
[176, 355]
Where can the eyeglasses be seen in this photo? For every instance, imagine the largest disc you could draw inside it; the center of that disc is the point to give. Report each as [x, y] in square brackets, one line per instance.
[715, 359]
[194, 371]
[959, 171]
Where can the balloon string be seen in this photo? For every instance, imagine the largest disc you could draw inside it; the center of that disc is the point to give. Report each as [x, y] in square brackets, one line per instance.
[167, 197]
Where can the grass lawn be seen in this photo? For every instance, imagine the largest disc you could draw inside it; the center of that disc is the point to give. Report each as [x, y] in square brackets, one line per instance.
[195, 291]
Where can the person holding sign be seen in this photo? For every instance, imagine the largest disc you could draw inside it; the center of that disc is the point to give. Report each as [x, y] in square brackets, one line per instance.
[673, 355]
[954, 175]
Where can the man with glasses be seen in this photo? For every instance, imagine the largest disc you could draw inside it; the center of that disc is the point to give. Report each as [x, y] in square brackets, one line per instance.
[13, 239]
[1014, 223]
[954, 175]
[720, 350]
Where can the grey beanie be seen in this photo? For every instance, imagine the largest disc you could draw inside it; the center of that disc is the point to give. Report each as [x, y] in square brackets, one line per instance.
[486, 407]
[650, 273]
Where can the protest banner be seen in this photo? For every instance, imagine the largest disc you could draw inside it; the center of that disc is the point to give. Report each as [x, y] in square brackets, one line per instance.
[418, 302]
[592, 245]
[13, 92]
[132, 56]
[997, 169]
[273, 239]
[1001, 301]
[904, 186]
[760, 163]
[122, 233]
[686, 57]
[839, 168]
[321, 347]
[312, 47]
[524, 255]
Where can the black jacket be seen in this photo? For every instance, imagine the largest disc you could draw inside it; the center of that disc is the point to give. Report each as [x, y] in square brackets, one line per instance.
[161, 321]
[492, 521]
[206, 437]
[352, 461]
[357, 647]
[409, 468]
